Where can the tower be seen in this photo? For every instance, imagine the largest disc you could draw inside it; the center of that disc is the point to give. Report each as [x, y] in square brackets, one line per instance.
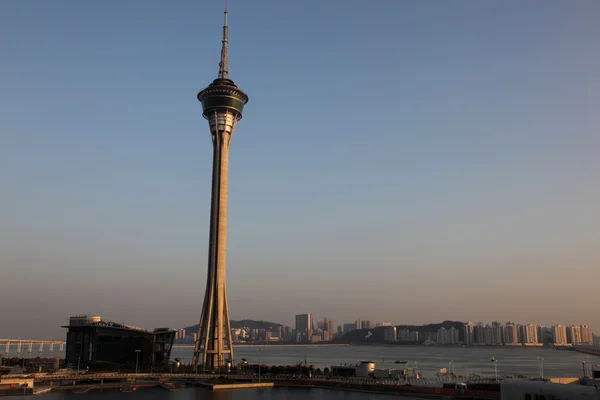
[222, 105]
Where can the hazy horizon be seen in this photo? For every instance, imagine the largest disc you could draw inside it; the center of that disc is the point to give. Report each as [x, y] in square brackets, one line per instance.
[409, 162]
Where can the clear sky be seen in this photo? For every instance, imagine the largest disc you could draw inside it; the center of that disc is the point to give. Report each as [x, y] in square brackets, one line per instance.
[404, 161]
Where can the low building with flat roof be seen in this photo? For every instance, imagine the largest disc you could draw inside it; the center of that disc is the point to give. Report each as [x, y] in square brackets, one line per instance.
[103, 344]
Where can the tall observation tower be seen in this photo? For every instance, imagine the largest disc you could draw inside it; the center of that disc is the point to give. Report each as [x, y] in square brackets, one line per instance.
[222, 105]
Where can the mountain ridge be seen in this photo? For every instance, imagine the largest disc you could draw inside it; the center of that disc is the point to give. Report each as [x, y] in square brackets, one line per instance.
[244, 323]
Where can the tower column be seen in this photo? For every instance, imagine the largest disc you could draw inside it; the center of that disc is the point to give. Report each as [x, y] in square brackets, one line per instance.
[214, 334]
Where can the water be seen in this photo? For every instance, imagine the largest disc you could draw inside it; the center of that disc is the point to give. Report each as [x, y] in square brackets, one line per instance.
[429, 360]
[240, 394]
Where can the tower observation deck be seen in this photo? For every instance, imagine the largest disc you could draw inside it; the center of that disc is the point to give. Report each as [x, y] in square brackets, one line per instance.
[222, 105]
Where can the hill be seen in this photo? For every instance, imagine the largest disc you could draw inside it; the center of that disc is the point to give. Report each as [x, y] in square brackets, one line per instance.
[249, 323]
[376, 335]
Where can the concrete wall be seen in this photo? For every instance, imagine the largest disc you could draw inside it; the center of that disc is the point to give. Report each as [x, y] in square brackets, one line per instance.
[16, 381]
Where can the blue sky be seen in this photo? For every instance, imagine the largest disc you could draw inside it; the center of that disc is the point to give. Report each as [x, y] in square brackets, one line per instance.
[404, 161]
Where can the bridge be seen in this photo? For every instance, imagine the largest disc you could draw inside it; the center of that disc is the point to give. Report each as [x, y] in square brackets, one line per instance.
[18, 344]
[29, 344]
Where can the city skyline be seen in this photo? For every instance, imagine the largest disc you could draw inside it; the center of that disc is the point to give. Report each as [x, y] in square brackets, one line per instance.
[400, 161]
[309, 329]
[358, 323]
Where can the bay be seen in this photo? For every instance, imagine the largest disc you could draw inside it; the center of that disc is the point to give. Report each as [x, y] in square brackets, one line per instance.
[428, 359]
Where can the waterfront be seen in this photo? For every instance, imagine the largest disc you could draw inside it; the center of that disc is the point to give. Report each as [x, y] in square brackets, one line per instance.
[465, 360]
[243, 394]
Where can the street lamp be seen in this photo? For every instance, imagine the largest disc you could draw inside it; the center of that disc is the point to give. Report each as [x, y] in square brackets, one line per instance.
[259, 362]
[417, 368]
[541, 365]
[137, 359]
[495, 368]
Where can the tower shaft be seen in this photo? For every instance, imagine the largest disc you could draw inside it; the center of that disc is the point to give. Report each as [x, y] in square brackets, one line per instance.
[214, 334]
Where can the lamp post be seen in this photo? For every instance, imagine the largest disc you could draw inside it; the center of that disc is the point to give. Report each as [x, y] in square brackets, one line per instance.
[495, 368]
[259, 362]
[541, 365]
[417, 367]
[137, 359]
[589, 366]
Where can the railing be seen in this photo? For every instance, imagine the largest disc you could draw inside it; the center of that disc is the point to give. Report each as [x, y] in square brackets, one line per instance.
[18, 343]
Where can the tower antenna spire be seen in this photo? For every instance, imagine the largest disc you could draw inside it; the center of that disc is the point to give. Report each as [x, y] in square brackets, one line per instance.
[223, 65]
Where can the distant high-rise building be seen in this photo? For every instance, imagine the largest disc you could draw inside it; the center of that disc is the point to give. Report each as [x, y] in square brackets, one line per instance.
[587, 336]
[488, 334]
[405, 335]
[349, 327]
[511, 334]
[454, 335]
[288, 333]
[497, 331]
[469, 333]
[441, 336]
[520, 333]
[574, 334]
[303, 328]
[544, 334]
[478, 334]
[530, 334]
[330, 329]
[447, 336]
[365, 325]
[389, 333]
[559, 335]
